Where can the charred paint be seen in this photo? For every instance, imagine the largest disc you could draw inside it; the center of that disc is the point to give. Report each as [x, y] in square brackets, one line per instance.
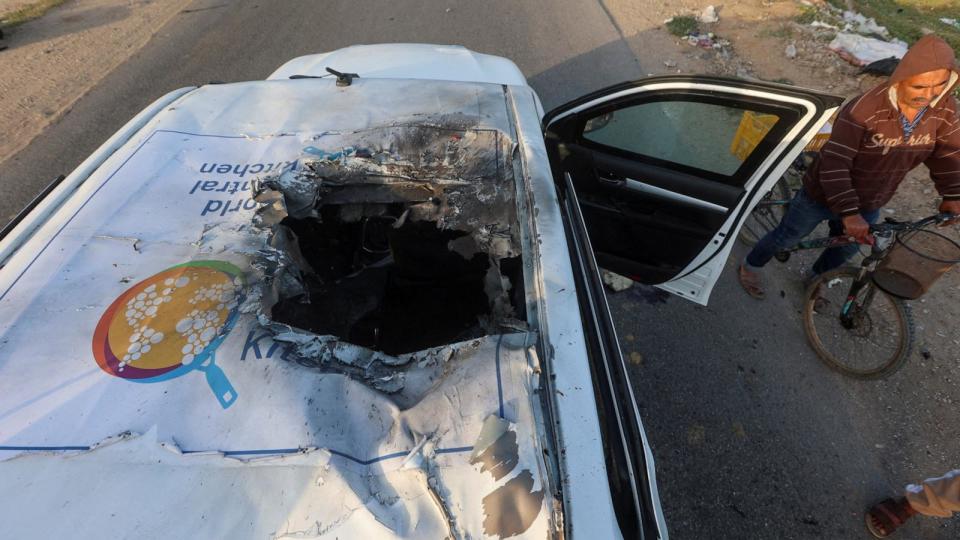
[510, 509]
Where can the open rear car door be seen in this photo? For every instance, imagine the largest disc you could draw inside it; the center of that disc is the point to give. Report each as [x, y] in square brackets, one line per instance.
[666, 169]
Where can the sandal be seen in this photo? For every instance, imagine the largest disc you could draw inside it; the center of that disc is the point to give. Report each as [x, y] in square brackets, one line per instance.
[887, 516]
[751, 282]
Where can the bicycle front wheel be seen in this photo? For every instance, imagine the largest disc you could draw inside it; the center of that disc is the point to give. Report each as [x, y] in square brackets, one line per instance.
[873, 342]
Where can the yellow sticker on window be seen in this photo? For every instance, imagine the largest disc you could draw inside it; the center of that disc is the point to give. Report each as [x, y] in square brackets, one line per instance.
[753, 128]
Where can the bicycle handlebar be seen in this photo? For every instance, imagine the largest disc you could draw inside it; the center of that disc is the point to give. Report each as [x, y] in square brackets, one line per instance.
[891, 225]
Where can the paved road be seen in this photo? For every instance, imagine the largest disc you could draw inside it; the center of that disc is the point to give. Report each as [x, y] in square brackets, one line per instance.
[565, 48]
[753, 438]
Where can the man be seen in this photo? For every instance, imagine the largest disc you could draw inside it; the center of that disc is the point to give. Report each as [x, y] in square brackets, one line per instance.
[877, 138]
[937, 497]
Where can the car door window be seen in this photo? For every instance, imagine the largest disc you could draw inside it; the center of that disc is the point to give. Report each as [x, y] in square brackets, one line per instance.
[710, 137]
[666, 169]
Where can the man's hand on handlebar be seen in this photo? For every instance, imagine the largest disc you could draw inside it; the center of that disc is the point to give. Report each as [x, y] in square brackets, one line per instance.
[858, 228]
[951, 207]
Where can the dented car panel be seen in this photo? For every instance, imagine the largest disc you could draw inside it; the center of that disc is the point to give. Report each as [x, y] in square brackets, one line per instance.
[173, 378]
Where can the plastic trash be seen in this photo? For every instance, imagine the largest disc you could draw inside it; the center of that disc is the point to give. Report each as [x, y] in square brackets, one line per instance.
[616, 282]
[883, 67]
[864, 25]
[791, 51]
[860, 50]
[709, 15]
[820, 24]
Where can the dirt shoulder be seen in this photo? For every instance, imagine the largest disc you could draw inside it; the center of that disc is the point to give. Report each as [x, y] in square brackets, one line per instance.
[52, 61]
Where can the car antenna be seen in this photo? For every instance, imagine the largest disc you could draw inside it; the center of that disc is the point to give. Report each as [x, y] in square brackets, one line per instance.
[343, 79]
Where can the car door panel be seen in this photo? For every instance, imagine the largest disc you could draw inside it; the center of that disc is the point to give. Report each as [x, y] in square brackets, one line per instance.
[716, 193]
[666, 168]
[628, 458]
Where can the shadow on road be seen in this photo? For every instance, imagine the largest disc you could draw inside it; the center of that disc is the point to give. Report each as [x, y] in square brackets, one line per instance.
[63, 21]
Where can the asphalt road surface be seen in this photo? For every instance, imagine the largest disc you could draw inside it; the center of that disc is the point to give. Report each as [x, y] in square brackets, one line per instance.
[753, 437]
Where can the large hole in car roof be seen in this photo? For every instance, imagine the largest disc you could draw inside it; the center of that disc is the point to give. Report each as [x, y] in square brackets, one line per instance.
[397, 238]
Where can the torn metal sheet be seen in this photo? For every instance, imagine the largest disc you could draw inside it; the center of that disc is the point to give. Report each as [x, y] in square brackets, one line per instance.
[393, 239]
[252, 427]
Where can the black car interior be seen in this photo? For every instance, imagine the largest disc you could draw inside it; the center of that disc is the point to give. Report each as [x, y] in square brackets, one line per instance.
[649, 217]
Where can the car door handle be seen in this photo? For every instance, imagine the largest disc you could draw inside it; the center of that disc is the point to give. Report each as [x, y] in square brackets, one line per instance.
[610, 178]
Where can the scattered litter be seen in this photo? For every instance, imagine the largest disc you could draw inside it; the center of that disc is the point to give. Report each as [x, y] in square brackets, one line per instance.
[615, 281]
[670, 63]
[707, 41]
[791, 51]
[951, 22]
[883, 67]
[833, 282]
[860, 50]
[820, 24]
[864, 25]
[709, 15]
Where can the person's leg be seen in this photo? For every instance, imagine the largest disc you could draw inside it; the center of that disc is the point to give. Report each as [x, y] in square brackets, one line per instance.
[836, 256]
[888, 515]
[803, 216]
[938, 497]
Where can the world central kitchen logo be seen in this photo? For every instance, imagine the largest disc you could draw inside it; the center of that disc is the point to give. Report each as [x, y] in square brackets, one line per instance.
[170, 324]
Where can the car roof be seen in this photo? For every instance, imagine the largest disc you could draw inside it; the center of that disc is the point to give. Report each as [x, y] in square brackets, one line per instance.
[173, 203]
[407, 61]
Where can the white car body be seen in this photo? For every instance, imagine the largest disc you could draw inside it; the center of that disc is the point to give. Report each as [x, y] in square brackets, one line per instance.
[291, 451]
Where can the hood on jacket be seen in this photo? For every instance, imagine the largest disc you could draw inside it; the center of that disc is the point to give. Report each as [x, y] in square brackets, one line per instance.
[929, 53]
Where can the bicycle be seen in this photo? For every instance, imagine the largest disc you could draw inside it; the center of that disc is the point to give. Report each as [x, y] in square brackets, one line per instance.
[768, 212]
[855, 326]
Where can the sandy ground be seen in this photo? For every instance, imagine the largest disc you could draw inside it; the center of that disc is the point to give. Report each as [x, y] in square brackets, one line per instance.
[52, 61]
[758, 32]
[7, 6]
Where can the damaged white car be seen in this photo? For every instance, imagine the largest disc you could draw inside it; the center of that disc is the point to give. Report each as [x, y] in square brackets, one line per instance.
[364, 303]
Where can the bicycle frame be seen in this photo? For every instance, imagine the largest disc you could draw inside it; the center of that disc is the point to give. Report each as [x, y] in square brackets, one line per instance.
[884, 236]
[881, 246]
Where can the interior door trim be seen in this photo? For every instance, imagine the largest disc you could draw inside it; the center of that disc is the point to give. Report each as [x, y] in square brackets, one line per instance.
[643, 187]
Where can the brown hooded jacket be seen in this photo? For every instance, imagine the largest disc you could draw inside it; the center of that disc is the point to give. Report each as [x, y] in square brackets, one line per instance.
[867, 155]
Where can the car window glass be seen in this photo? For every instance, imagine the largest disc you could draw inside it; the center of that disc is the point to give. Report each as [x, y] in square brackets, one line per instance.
[705, 136]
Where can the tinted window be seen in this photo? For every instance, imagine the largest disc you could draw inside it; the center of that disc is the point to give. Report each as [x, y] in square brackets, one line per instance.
[705, 136]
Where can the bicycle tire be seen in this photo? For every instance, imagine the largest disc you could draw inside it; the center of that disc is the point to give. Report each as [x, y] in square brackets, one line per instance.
[764, 218]
[904, 325]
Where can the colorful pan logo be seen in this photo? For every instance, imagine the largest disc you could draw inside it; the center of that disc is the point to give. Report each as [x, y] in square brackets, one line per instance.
[171, 324]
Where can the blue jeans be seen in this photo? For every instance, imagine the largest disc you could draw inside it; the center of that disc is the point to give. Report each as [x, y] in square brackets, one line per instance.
[803, 216]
